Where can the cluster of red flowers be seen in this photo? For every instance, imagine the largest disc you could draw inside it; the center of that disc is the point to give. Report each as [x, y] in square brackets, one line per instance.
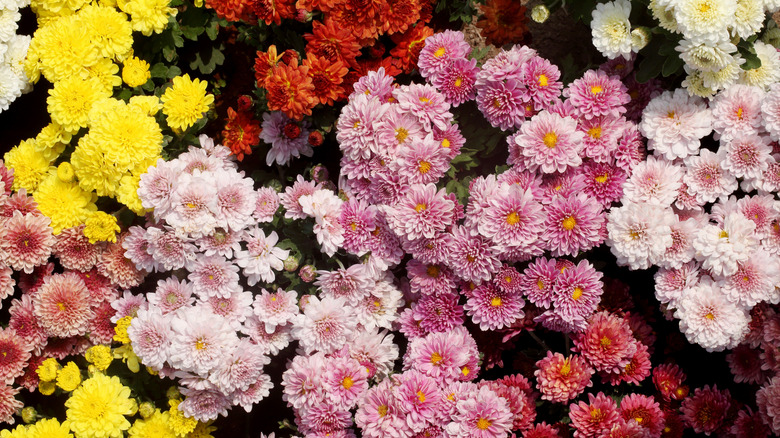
[242, 130]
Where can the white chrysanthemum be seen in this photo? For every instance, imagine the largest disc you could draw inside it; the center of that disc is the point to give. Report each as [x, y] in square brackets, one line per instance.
[16, 54]
[671, 284]
[9, 22]
[747, 156]
[706, 179]
[674, 122]
[325, 207]
[707, 318]
[749, 18]
[375, 348]
[737, 111]
[262, 257]
[325, 325]
[638, 234]
[705, 20]
[655, 181]
[611, 29]
[754, 280]
[770, 110]
[681, 250]
[150, 334]
[706, 56]
[694, 84]
[11, 86]
[664, 13]
[723, 78]
[768, 73]
[201, 340]
[720, 249]
[380, 308]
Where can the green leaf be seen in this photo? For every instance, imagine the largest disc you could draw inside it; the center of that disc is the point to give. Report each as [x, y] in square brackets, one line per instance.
[173, 71]
[207, 60]
[212, 30]
[125, 94]
[747, 51]
[192, 33]
[672, 65]
[158, 70]
[169, 53]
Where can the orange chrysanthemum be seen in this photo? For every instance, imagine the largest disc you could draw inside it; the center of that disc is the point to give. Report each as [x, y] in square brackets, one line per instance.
[426, 10]
[232, 10]
[241, 131]
[398, 15]
[408, 46]
[361, 17]
[503, 22]
[315, 5]
[327, 78]
[272, 11]
[290, 90]
[266, 61]
[333, 43]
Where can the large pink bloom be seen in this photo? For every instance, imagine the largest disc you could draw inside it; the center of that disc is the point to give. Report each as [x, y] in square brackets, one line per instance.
[26, 241]
[548, 142]
[62, 305]
[560, 378]
[422, 212]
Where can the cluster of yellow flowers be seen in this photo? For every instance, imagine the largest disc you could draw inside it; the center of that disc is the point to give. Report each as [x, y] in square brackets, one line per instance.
[78, 47]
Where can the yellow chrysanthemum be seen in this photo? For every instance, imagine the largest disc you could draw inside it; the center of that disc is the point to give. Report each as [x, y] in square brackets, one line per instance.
[180, 424]
[65, 49]
[69, 377]
[154, 426]
[147, 16]
[127, 135]
[49, 428]
[106, 72]
[52, 139]
[135, 72]
[98, 407]
[65, 203]
[46, 388]
[32, 64]
[101, 227]
[121, 329]
[71, 99]
[65, 172]
[185, 102]
[127, 194]
[149, 105]
[19, 432]
[30, 166]
[58, 7]
[111, 31]
[202, 430]
[93, 169]
[100, 356]
[102, 108]
[47, 370]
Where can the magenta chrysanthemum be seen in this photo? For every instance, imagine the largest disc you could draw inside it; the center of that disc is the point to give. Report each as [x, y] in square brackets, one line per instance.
[573, 224]
[538, 280]
[607, 343]
[422, 212]
[596, 94]
[492, 308]
[426, 103]
[512, 217]
[457, 81]
[560, 378]
[577, 291]
[440, 50]
[286, 142]
[471, 256]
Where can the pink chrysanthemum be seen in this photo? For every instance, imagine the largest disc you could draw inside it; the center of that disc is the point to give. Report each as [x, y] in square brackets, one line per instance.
[438, 313]
[289, 199]
[426, 103]
[572, 225]
[421, 161]
[418, 398]
[749, 423]
[128, 305]
[234, 308]
[457, 81]
[560, 378]
[596, 94]
[558, 186]
[7, 282]
[654, 181]
[541, 430]
[14, 355]
[754, 280]
[19, 201]
[636, 370]
[538, 281]
[493, 309]
[171, 294]
[601, 137]
[6, 179]
[603, 182]
[236, 200]
[747, 155]
[768, 402]
[9, 405]
[577, 291]
[113, 264]
[430, 278]
[26, 241]
[668, 379]
[737, 111]
[151, 335]
[512, 217]
[607, 343]
[440, 50]
[101, 329]
[204, 405]
[376, 83]
[261, 256]
[595, 417]
[136, 245]
[433, 250]
[277, 308]
[378, 416]
[484, 416]
[437, 356]
[199, 340]
[541, 77]
[24, 322]
[351, 284]
[422, 212]
[157, 185]
[242, 369]
[324, 325]
[287, 138]
[502, 103]
[645, 412]
[705, 411]
[631, 148]
[74, 250]
[345, 381]
[471, 257]
[221, 242]
[358, 219]
[548, 142]
[396, 129]
[674, 122]
[213, 276]
[62, 305]
[169, 248]
[266, 204]
[193, 206]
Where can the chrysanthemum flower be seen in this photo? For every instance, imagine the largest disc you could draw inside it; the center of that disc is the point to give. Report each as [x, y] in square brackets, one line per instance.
[113, 264]
[14, 355]
[29, 166]
[74, 250]
[705, 411]
[638, 234]
[572, 225]
[185, 102]
[98, 407]
[511, 217]
[538, 280]
[418, 397]
[767, 74]
[457, 81]
[324, 325]
[272, 12]
[560, 378]
[611, 29]
[595, 94]
[327, 78]
[502, 22]
[607, 343]
[492, 308]
[26, 241]
[542, 78]
[705, 20]
[426, 103]
[421, 161]
[471, 256]
[737, 110]
[769, 404]
[261, 257]
[149, 16]
[333, 42]
[655, 181]
[644, 411]
[603, 182]
[484, 416]
[71, 99]
[345, 381]
[595, 417]
[9, 405]
[440, 50]
[275, 309]
[577, 291]
[674, 122]
[408, 45]
[62, 305]
[721, 248]
[707, 318]
[502, 104]
[378, 416]
[548, 142]
[745, 364]
[754, 281]
[291, 90]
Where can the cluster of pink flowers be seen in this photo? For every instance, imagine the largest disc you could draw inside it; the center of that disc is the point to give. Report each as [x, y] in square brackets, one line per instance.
[57, 314]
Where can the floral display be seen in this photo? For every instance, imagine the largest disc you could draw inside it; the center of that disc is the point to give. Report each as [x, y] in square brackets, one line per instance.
[389, 218]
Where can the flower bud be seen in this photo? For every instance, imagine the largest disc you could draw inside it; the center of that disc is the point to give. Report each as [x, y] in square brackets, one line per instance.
[29, 415]
[540, 13]
[639, 38]
[291, 263]
[146, 410]
[308, 273]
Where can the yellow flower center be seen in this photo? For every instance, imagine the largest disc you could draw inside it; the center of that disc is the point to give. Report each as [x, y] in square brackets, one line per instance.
[740, 111]
[709, 316]
[550, 139]
[401, 134]
[595, 132]
[458, 82]
[61, 306]
[605, 342]
[424, 167]
[445, 143]
[420, 396]
[577, 293]
[671, 114]
[542, 80]
[382, 410]
[569, 223]
[439, 52]
[433, 271]
[465, 371]
[483, 424]
[356, 124]
[436, 358]
[495, 302]
[596, 89]
[200, 345]
[602, 178]
[540, 284]
[565, 368]
[704, 7]
[424, 99]
[419, 207]
[723, 234]
[512, 218]
[347, 382]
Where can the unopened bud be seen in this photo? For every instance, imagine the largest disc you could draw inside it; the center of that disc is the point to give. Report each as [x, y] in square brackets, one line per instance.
[29, 415]
[540, 13]
[639, 38]
[308, 273]
[146, 410]
[291, 263]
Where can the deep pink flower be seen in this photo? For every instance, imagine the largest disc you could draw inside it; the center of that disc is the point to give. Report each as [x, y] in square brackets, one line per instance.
[512, 217]
[596, 94]
[422, 212]
[438, 313]
[607, 343]
[430, 278]
[426, 103]
[573, 224]
[492, 308]
[560, 378]
[577, 291]
[538, 281]
[668, 379]
[645, 412]
[418, 397]
[24, 322]
[548, 142]
[502, 103]
[440, 50]
[745, 364]
[705, 411]
[14, 355]
[26, 241]
[541, 77]
[457, 81]
[471, 257]
[62, 305]
[594, 418]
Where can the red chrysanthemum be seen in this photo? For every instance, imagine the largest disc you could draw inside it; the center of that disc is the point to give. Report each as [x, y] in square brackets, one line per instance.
[595, 417]
[361, 17]
[290, 90]
[74, 250]
[25, 241]
[408, 46]
[607, 343]
[668, 379]
[101, 330]
[62, 305]
[241, 132]
[503, 22]
[645, 411]
[327, 77]
[398, 15]
[232, 10]
[333, 43]
[266, 61]
[14, 355]
[118, 268]
[272, 11]
[706, 410]
[25, 324]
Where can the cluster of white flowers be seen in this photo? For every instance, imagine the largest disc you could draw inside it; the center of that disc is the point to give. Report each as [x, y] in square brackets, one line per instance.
[13, 51]
[716, 252]
[611, 30]
[709, 30]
